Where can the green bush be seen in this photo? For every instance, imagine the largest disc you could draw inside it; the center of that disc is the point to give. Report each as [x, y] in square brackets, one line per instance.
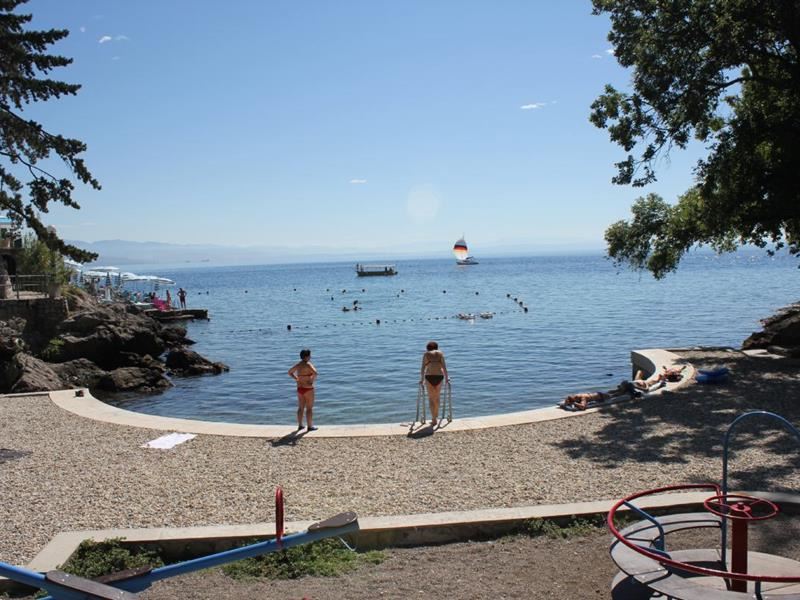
[53, 349]
[93, 559]
[554, 530]
[325, 558]
[37, 259]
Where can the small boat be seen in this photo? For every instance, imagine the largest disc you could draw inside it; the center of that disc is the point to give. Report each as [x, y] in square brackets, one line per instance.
[375, 270]
[462, 253]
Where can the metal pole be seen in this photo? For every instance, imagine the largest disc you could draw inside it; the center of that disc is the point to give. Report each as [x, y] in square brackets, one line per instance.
[739, 553]
[726, 443]
[449, 402]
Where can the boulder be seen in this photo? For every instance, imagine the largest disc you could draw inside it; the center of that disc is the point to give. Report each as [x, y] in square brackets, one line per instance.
[25, 373]
[102, 334]
[11, 338]
[79, 373]
[128, 379]
[78, 299]
[184, 362]
[174, 336]
[782, 330]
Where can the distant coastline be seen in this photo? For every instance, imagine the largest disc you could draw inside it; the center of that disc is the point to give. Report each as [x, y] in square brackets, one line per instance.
[125, 253]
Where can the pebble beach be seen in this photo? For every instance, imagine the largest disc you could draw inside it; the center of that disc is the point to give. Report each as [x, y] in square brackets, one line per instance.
[60, 472]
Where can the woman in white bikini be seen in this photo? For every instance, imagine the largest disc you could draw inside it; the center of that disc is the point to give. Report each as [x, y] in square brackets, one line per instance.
[433, 371]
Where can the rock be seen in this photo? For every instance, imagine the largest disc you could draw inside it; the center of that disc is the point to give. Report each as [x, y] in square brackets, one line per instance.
[25, 373]
[126, 379]
[77, 299]
[11, 338]
[174, 336]
[186, 362]
[129, 359]
[102, 334]
[79, 373]
[782, 329]
[781, 351]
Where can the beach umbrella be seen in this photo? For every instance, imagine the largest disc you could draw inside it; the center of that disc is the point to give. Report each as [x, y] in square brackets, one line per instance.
[75, 266]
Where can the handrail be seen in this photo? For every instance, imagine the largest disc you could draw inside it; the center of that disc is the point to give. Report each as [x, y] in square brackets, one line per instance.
[660, 540]
[659, 557]
[725, 447]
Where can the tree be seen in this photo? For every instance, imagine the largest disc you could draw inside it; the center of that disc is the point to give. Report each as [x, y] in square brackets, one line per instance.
[25, 144]
[37, 259]
[725, 72]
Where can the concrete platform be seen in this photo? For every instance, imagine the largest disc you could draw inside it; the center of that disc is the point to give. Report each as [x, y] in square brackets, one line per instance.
[85, 405]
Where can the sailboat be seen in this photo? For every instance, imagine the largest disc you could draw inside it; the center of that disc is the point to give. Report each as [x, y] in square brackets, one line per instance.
[462, 253]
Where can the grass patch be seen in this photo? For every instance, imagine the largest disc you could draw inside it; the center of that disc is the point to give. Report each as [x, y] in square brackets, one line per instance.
[563, 530]
[93, 559]
[325, 558]
[573, 527]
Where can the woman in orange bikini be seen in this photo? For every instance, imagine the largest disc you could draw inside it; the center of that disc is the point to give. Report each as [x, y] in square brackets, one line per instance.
[304, 373]
[433, 371]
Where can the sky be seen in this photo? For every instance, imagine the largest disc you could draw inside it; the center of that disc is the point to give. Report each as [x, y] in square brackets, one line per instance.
[357, 124]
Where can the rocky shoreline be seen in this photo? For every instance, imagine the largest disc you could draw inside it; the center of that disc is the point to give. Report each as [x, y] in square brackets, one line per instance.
[781, 333]
[113, 347]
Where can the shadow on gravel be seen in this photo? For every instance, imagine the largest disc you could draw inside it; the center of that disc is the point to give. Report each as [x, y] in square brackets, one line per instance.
[290, 439]
[7, 455]
[678, 426]
[423, 432]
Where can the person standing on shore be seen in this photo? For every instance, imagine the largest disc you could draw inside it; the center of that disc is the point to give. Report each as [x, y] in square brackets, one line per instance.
[304, 373]
[169, 300]
[433, 371]
[182, 297]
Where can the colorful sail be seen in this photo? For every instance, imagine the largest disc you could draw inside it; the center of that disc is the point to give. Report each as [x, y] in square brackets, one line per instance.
[460, 249]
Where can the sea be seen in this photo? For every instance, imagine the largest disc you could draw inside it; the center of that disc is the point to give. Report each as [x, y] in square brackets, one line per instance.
[583, 318]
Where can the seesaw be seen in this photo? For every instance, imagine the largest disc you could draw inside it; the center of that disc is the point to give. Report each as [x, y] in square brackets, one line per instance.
[125, 584]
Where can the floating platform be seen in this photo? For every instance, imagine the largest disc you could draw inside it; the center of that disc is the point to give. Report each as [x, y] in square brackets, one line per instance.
[375, 270]
[180, 314]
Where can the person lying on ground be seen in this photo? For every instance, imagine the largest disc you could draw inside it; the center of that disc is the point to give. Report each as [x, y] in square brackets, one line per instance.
[647, 383]
[581, 400]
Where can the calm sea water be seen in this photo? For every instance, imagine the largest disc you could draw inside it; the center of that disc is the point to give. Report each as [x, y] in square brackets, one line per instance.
[584, 319]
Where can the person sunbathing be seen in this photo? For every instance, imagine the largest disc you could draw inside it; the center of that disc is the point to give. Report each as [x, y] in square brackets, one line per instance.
[656, 380]
[581, 400]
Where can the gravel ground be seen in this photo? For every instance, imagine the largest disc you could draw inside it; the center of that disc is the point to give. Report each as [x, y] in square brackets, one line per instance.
[80, 474]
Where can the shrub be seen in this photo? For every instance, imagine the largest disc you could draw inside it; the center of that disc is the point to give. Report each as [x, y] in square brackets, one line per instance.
[554, 530]
[93, 559]
[325, 558]
[52, 351]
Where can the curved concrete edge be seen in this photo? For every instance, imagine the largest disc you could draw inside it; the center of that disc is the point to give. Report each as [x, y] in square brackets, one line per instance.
[655, 359]
[378, 532]
[90, 407]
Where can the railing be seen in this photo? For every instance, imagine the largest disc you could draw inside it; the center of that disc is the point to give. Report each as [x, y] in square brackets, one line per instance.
[38, 284]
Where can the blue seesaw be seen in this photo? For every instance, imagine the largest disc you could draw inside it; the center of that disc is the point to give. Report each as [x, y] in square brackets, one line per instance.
[124, 585]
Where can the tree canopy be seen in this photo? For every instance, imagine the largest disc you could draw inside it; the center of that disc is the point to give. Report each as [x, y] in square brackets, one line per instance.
[724, 72]
[26, 189]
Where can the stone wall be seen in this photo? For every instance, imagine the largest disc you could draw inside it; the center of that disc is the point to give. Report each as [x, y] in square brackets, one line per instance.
[42, 313]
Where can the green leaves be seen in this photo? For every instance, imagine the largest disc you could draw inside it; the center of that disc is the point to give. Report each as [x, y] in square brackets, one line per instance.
[727, 74]
[25, 144]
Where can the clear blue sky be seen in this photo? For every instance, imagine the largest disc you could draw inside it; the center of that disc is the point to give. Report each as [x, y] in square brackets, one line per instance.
[366, 124]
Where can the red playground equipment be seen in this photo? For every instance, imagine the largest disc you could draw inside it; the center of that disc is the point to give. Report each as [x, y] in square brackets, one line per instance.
[649, 570]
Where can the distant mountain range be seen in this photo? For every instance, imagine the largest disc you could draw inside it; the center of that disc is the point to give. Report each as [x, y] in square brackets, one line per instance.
[123, 252]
